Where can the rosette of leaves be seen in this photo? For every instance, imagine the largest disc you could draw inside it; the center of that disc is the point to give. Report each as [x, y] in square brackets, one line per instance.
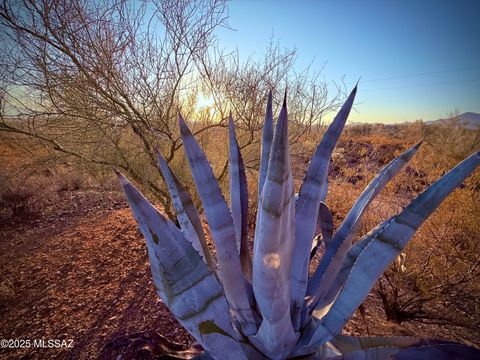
[267, 306]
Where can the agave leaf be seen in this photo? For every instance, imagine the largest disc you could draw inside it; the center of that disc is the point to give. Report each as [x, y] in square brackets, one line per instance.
[445, 351]
[239, 200]
[377, 347]
[400, 347]
[237, 288]
[311, 194]
[187, 213]
[274, 238]
[321, 306]
[326, 273]
[382, 249]
[183, 280]
[267, 136]
[324, 227]
[325, 222]
[347, 344]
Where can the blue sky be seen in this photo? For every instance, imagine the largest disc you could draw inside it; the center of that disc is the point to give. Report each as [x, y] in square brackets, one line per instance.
[416, 59]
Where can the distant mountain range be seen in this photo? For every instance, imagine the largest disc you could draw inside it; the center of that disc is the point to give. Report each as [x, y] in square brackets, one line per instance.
[470, 120]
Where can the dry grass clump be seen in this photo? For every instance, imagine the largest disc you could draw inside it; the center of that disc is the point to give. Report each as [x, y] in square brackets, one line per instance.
[32, 181]
[37, 191]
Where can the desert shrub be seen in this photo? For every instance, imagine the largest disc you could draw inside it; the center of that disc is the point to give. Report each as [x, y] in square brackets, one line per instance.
[32, 181]
[38, 190]
[452, 139]
[31, 195]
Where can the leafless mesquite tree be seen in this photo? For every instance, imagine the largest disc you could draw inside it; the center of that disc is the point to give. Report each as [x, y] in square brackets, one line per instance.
[103, 81]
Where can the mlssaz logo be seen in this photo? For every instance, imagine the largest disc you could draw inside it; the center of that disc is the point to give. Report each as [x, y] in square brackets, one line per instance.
[53, 343]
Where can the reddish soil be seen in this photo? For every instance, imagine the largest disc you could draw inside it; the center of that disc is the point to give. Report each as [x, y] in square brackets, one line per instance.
[82, 276]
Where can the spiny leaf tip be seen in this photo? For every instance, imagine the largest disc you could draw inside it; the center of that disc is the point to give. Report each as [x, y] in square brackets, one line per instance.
[123, 179]
[417, 145]
[184, 130]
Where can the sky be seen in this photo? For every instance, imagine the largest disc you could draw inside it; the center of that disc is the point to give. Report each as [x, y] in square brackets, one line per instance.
[416, 59]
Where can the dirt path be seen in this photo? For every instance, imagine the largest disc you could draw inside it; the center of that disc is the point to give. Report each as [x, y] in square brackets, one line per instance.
[85, 279]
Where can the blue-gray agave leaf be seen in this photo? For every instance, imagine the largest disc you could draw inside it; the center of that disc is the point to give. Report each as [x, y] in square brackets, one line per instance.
[183, 280]
[187, 213]
[267, 137]
[238, 290]
[348, 344]
[328, 268]
[239, 199]
[320, 306]
[324, 227]
[273, 314]
[382, 347]
[400, 347]
[445, 351]
[312, 192]
[382, 249]
[274, 238]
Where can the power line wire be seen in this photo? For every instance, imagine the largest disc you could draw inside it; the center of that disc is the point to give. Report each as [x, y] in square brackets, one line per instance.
[424, 85]
[422, 74]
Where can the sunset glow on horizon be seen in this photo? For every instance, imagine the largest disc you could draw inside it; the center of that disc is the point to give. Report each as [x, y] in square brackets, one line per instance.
[416, 60]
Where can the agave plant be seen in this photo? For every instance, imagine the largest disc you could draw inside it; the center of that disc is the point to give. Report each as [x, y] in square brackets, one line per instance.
[269, 307]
